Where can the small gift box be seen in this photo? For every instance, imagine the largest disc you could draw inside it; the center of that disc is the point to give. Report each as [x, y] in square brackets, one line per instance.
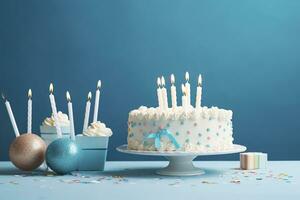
[93, 151]
[253, 160]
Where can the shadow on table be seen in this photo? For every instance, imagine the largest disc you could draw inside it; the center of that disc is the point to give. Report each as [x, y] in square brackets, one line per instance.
[12, 170]
[151, 173]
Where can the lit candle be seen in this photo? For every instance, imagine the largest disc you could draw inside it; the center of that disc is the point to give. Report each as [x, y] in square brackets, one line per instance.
[70, 110]
[97, 98]
[159, 94]
[54, 111]
[183, 98]
[11, 116]
[173, 92]
[87, 112]
[164, 93]
[29, 112]
[188, 89]
[199, 92]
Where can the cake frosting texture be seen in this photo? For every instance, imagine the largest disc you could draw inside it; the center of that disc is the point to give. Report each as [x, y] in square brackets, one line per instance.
[189, 129]
[97, 129]
[62, 119]
[48, 125]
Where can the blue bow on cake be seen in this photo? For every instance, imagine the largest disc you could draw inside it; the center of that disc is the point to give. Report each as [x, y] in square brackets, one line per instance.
[163, 132]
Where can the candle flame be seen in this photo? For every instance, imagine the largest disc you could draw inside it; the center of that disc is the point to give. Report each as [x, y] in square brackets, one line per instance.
[51, 88]
[29, 94]
[99, 85]
[89, 96]
[200, 80]
[163, 82]
[183, 89]
[172, 79]
[187, 76]
[68, 96]
[158, 82]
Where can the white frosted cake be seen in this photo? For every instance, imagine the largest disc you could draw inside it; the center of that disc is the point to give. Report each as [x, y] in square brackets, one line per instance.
[180, 128]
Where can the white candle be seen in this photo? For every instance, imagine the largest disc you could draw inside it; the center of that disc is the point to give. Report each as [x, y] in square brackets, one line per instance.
[54, 111]
[87, 112]
[97, 98]
[199, 92]
[188, 89]
[164, 93]
[173, 92]
[11, 116]
[159, 94]
[183, 98]
[70, 110]
[29, 112]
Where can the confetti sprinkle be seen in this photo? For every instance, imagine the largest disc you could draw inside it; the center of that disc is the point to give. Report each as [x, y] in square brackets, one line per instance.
[14, 182]
[233, 176]
[235, 181]
[208, 182]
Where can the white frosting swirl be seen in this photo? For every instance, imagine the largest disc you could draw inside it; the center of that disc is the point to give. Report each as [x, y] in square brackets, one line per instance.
[63, 120]
[97, 129]
[179, 113]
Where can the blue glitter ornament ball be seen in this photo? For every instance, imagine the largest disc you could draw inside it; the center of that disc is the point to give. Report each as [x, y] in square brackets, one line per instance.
[62, 156]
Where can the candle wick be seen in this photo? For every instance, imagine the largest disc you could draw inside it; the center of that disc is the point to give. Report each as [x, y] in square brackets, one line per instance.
[3, 97]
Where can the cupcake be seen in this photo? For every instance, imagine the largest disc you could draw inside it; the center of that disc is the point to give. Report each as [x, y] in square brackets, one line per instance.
[48, 129]
[93, 143]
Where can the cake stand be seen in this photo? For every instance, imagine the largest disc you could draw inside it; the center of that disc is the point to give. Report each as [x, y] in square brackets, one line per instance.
[180, 162]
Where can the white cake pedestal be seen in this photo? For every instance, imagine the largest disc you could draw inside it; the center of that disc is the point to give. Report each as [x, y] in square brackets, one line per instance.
[181, 163]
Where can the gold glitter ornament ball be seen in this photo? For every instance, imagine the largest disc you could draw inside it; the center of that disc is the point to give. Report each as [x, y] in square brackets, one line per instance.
[27, 152]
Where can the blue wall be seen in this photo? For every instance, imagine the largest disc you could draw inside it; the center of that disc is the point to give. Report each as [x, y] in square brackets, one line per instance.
[247, 52]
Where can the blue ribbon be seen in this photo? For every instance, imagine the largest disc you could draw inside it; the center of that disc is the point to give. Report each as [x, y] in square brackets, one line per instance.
[157, 136]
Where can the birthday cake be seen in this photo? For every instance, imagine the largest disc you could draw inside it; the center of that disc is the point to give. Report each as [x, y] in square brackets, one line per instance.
[180, 128]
